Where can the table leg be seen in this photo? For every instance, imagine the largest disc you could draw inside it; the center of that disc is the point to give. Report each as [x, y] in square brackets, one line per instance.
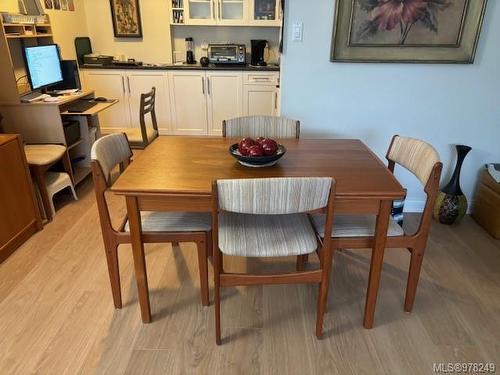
[376, 262]
[141, 276]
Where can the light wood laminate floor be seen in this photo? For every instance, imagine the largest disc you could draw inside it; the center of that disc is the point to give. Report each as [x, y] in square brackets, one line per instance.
[57, 315]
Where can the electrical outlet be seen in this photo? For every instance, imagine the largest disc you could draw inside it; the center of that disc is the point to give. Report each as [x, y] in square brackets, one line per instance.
[297, 32]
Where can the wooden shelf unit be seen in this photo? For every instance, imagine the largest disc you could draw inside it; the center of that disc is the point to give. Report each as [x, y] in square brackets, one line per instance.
[25, 30]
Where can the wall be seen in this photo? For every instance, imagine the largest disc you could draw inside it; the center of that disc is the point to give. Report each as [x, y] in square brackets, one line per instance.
[442, 104]
[154, 47]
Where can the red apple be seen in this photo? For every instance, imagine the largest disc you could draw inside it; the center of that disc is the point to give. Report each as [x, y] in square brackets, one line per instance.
[245, 144]
[256, 150]
[270, 146]
[260, 139]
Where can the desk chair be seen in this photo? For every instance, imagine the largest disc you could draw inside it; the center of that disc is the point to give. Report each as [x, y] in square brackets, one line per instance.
[111, 151]
[268, 218]
[40, 158]
[261, 126]
[141, 138]
[356, 232]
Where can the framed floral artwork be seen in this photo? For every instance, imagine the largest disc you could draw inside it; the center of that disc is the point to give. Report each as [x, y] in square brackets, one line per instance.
[126, 18]
[412, 31]
[48, 4]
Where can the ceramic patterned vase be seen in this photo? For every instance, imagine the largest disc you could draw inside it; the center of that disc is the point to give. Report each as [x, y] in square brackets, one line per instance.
[451, 203]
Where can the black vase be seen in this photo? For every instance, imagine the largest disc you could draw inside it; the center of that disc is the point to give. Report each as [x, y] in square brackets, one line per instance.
[451, 203]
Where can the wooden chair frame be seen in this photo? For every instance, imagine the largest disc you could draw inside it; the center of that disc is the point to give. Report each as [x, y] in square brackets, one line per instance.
[297, 129]
[113, 238]
[321, 276]
[148, 105]
[415, 243]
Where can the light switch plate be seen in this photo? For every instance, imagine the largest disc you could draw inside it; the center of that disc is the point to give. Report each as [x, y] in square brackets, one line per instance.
[297, 32]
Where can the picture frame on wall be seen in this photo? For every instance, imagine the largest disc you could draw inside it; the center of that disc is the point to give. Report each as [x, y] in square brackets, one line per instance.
[57, 4]
[126, 18]
[71, 5]
[48, 4]
[64, 4]
[407, 31]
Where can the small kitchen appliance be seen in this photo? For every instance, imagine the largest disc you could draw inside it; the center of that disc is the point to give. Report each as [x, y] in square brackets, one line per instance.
[225, 53]
[258, 48]
[190, 51]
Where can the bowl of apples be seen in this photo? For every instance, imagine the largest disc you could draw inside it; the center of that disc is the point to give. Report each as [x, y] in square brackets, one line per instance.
[257, 153]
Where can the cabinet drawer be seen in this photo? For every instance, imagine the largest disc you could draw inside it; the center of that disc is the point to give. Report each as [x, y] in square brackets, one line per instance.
[261, 78]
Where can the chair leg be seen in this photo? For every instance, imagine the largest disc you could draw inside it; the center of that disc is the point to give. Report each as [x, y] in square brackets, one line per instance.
[39, 175]
[323, 291]
[416, 260]
[217, 270]
[301, 262]
[114, 273]
[203, 269]
[175, 244]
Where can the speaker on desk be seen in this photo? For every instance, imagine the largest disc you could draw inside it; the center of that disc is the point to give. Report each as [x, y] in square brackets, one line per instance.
[71, 77]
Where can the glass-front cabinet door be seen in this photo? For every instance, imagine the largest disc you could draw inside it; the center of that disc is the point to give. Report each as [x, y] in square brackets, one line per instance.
[265, 12]
[232, 12]
[201, 12]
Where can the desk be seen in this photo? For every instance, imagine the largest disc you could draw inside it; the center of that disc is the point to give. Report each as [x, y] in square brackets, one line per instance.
[176, 173]
[42, 122]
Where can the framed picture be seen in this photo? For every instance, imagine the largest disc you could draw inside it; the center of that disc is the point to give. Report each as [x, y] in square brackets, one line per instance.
[48, 4]
[412, 31]
[57, 4]
[126, 18]
[71, 5]
[64, 4]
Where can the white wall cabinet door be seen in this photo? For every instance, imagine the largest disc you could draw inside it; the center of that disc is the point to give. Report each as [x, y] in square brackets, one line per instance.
[142, 82]
[232, 12]
[224, 98]
[260, 100]
[200, 12]
[265, 13]
[189, 103]
[111, 85]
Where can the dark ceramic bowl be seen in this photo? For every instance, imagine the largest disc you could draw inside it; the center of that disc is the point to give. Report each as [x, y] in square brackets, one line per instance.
[257, 161]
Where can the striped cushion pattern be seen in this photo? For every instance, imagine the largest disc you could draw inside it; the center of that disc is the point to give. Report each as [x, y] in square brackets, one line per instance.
[135, 135]
[415, 155]
[110, 151]
[274, 196]
[174, 222]
[265, 235]
[354, 226]
[262, 126]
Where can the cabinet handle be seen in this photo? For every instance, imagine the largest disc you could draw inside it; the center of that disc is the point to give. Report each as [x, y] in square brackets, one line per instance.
[128, 83]
[275, 100]
[203, 85]
[220, 10]
[208, 86]
[213, 9]
[123, 84]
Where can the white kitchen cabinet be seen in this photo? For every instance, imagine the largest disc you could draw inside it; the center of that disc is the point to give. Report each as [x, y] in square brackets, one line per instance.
[232, 12]
[260, 93]
[264, 13]
[225, 98]
[127, 87]
[201, 12]
[110, 84]
[189, 102]
[141, 82]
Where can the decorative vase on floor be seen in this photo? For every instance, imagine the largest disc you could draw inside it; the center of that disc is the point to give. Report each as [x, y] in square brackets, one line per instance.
[451, 203]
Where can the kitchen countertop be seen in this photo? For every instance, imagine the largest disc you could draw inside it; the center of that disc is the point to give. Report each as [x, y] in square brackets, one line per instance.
[247, 67]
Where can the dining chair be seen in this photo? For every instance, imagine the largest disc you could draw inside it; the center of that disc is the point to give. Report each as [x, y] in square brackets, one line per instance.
[268, 218]
[141, 137]
[261, 126]
[40, 158]
[114, 150]
[357, 231]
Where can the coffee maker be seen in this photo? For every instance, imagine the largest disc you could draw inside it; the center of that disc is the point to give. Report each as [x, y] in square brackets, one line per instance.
[258, 47]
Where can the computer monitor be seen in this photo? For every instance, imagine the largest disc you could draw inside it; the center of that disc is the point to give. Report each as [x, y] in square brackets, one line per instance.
[43, 66]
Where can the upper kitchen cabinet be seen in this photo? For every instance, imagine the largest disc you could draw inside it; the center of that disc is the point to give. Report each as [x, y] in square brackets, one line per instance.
[265, 13]
[226, 12]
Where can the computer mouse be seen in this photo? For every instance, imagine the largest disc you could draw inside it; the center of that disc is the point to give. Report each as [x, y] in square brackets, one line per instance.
[100, 99]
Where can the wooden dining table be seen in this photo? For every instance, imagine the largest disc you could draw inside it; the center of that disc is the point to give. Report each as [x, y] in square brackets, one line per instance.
[176, 174]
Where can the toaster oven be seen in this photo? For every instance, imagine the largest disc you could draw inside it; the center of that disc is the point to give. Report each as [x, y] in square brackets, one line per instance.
[227, 53]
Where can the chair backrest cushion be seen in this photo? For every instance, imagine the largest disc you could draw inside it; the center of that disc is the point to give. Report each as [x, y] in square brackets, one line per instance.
[415, 155]
[274, 196]
[262, 126]
[109, 151]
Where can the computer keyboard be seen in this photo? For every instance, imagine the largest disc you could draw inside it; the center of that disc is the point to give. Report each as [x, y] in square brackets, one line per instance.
[81, 106]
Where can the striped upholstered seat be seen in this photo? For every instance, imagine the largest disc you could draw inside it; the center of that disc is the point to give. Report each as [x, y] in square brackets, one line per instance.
[174, 222]
[266, 235]
[354, 226]
[261, 126]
